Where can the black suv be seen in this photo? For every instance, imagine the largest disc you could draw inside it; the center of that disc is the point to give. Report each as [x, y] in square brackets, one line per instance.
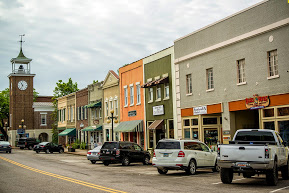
[123, 152]
[27, 143]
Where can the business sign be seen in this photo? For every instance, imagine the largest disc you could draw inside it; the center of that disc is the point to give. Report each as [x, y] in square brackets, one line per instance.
[200, 110]
[158, 110]
[132, 113]
[257, 102]
[20, 131]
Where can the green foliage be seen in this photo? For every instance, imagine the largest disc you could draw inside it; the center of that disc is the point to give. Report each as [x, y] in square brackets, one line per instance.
[61, 89]
[75, 145]
[4, 105]
[95, 81]
[82, 145]
[35, 94]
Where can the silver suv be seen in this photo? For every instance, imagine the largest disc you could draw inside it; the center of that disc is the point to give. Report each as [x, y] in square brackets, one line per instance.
[188, 155]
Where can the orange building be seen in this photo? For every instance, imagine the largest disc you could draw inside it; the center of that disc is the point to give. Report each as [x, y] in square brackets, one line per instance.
[132, 116]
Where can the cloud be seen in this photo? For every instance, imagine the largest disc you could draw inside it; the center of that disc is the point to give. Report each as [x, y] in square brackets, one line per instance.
[85, 39]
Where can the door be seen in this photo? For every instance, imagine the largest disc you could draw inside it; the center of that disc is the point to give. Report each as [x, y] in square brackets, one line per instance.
[200, 155]
[209, 156]
[138, 153]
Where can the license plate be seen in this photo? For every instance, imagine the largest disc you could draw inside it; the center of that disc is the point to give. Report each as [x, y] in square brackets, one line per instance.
[166, 155]
[93, 153]
[241, 164]
[107, 152]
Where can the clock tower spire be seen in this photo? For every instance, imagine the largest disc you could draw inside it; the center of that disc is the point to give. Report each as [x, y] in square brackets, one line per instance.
[21, 94]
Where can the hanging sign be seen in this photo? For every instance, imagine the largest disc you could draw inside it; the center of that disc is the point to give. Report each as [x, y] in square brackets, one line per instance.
[200, 110]
[132, 113]
[257, 102]
[158, 110]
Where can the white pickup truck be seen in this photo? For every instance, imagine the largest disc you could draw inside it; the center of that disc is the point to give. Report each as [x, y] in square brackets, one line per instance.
[254, 151]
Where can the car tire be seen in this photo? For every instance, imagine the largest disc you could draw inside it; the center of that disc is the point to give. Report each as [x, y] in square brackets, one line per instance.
[146, 160]
[285, 171]
[93, 161]
[21, 147]
[61, 151]
[37, 151]
[226, 175]
[47, 151]
[247, 175]
[192, 167]
[163, 171]
[10, 151]
[6, 151]
[272, 175]
[106, 163]
[125, 161]
[30, 147]
[216, 167]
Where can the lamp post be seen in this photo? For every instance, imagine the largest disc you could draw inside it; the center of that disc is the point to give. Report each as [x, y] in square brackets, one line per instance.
[110, 119]
[22, 126]
[6, 129]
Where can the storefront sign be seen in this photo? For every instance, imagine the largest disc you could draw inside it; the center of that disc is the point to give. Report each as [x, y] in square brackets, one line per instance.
[132, 113]
[257, 102]
[226, 132]
[158, 110]
[200, 110]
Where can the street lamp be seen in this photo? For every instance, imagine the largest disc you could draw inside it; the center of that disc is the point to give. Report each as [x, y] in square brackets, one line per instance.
[109, 120]
[22, 126]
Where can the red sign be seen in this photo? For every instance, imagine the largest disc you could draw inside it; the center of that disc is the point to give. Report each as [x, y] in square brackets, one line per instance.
[257, 102]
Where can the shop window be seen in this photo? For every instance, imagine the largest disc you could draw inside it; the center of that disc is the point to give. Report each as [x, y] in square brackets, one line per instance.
[211, 136]
[107, 134]
[284, 130]
[221, 120]
[126, 136]
[151, 138]
[268, 112]
[210, 121]
[187, 134]
[186, 122]
[195, 134]
[284, 111]
[117, 136]
[194, 121]
[171, 129]
[269, 125]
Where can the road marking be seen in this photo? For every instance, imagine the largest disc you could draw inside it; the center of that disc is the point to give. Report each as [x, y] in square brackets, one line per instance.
[232, 181]
[83, 183]
[279, 189]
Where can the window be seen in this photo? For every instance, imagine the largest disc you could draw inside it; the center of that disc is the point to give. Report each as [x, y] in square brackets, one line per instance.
[82, 113]
[71, 114]
[125, 97]
[111, 104]
[138, 94]
[189, 83]
[106, 108]
[159, 95]
[85, 112]
[68, 111]
[99, 112]
[43, 119]
[116, 107]
[210, 81]
[167, 90]
[241, 71]
[131, 95]
[151, 92]
[79, 113]
[273, 63]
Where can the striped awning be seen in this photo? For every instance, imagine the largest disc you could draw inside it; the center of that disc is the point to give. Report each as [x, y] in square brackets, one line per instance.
[93, 128]
[156, 124]
[130, 126]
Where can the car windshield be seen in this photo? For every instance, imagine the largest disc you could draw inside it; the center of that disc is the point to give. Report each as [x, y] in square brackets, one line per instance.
[168, 145]
[43, 143]
[110, 145]
[4, 143]
[97, 148]
[254, 136]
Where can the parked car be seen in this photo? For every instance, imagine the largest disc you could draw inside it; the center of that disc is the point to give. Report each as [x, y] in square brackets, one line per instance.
[5, 146]
[48, 147]
[188, 155]
[123, 152]
[93, 155]
[27, 143]
[254, 151]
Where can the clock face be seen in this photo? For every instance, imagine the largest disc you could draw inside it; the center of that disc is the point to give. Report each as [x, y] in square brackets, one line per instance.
[22, 85]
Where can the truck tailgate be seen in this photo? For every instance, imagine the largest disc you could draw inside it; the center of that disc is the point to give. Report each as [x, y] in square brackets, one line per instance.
[239, 152]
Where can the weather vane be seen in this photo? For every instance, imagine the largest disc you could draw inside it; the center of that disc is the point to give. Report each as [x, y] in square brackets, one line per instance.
[21, 40]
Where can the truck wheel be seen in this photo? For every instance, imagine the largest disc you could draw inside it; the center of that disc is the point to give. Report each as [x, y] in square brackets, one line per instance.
[47, 151]
[37, 151]
[125, 161]
[146, 160]
[93, 161]
[30, 147]
[162, 171]
[106, 163]
[285, 171]
[192, 167]
[226, 175]
[216, 168]
[272, 175]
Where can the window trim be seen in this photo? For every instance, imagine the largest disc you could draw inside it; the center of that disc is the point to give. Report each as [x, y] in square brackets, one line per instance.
[125, 96]
[268, 65]
[189, 87]
[131, 95]
[210, 87]
[166, 85]
[159, 88]
[45, 114]
[138, 93]
[241, 75]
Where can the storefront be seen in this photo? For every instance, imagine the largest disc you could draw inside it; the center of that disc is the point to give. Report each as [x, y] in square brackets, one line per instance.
[94, 133]
[69, 134]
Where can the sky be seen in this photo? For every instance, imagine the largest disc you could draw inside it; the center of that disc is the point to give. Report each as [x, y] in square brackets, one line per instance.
[84, 39]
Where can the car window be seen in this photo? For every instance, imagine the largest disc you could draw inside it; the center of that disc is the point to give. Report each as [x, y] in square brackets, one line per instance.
[254, 136]
[205, 148]
[110, 145]
[43, 143]
[97, 148]
[192, 146]
[137, 147]
[168, 145]
[4, 143]
[125, 146]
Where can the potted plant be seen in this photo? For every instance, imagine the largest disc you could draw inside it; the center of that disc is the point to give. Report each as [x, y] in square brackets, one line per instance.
[70, 148]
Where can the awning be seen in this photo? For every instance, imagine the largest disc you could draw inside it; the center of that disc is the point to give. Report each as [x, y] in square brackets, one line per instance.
[92, 105]
[156, 124]
[93, 128]
[148, 84]
[61, 128]
[70, 132]
[156, 82]
[130, 126]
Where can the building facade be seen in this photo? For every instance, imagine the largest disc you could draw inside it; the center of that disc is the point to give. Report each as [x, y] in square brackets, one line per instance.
[81, 98]
[159, 98]
[237, 78]
[131, 125]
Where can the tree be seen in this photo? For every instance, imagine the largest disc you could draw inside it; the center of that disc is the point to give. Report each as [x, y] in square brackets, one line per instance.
[60, 90]
[4, 110]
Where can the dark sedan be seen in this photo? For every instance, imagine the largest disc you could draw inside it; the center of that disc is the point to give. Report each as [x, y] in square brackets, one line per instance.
[5, 146]
[48, 147]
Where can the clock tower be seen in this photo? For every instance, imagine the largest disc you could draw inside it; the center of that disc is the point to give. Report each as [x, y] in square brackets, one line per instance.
[21, 94]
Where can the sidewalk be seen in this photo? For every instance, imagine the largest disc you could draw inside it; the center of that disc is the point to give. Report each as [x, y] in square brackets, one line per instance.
[82, 152]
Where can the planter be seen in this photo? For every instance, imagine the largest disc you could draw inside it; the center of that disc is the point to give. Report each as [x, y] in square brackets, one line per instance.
[70, 149]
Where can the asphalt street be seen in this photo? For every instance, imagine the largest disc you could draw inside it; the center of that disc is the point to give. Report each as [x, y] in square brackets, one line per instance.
[26, 171]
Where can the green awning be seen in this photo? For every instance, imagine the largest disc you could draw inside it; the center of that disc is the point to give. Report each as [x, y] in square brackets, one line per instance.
[93, 105]
[130, 126]
[70, 132]
[61, 128]
[93, 128]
